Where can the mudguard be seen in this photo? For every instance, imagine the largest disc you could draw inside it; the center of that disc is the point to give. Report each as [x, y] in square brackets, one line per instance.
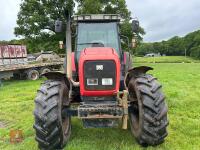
[57, 76]
[134, 72]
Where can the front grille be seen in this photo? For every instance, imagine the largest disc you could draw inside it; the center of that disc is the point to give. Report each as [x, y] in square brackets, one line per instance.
[91, 71]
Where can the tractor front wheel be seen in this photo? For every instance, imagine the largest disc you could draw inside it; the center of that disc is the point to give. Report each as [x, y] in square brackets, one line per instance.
[148, 110]
[52, 128]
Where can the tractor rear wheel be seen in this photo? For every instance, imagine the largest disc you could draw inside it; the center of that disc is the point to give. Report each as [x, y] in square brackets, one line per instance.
[148, 110]
[52, 128]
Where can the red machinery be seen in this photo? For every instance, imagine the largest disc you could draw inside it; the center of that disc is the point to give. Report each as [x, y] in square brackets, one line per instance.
[100, 78]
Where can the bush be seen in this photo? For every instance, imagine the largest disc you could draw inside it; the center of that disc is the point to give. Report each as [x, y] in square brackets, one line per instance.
[195, 52]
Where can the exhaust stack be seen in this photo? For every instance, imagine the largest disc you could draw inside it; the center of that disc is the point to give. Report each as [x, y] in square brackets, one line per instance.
[69, 51]
[68, 47]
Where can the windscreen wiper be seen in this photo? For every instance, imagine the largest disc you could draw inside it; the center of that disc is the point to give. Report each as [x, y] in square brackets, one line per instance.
[94, 44]
[90, 43]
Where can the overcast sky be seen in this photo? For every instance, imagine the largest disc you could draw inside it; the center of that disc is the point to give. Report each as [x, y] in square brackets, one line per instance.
[8, 15]
[161, 19]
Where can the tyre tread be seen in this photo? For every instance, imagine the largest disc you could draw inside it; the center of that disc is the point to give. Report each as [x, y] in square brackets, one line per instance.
[47, 126]
[153, 129]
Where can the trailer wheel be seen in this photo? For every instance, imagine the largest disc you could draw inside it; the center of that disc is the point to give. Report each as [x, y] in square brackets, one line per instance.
[52, 128]
[44, 70]
[148, 111]
[33, 75]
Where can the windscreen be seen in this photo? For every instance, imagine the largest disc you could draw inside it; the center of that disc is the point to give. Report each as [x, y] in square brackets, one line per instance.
[105, 34]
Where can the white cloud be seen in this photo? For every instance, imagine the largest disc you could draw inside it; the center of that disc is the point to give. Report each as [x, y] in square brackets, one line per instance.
[163, 19]
[8, 15]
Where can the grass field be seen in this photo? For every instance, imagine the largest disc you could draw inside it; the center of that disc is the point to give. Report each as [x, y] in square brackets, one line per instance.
[181, 84]
[165, 59]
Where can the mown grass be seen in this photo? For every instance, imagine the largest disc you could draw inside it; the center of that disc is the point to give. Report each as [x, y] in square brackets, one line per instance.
[181, 83]
[165, 59]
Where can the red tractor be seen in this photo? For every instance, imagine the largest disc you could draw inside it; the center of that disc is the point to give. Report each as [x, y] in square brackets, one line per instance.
[100, 78]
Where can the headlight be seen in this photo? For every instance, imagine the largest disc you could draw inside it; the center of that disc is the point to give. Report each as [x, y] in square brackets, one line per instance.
[92, 81]
[107, 81]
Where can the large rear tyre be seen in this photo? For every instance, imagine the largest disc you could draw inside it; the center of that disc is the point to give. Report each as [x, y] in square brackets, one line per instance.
[52, 128]
[148, 110]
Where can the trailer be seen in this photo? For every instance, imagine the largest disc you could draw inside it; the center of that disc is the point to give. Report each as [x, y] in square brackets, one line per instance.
[14, 63]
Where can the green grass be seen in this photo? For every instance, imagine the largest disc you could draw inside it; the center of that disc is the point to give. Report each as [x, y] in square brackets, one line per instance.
[181, 83]
[165, 59]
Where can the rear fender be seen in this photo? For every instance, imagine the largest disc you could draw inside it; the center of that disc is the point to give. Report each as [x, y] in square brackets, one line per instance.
[58, 76]
[135, 72]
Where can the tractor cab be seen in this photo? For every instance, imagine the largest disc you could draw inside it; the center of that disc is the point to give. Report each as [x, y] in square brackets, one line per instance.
[97, 31]
[101, 33]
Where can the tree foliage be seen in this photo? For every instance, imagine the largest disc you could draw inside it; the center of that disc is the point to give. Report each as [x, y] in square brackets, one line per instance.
[36, 23]
[36, 19]
[104, 7]
[176, 46]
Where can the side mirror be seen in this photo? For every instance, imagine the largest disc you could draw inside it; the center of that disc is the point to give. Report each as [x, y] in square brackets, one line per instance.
[135, 26]
[134, 43]
[61, 44]
[58, 26]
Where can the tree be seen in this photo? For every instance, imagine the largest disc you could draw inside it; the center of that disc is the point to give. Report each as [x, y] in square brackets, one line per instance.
[36, 19]
[36, 23]
[175, 46]
[104, 7]
[195, 52]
